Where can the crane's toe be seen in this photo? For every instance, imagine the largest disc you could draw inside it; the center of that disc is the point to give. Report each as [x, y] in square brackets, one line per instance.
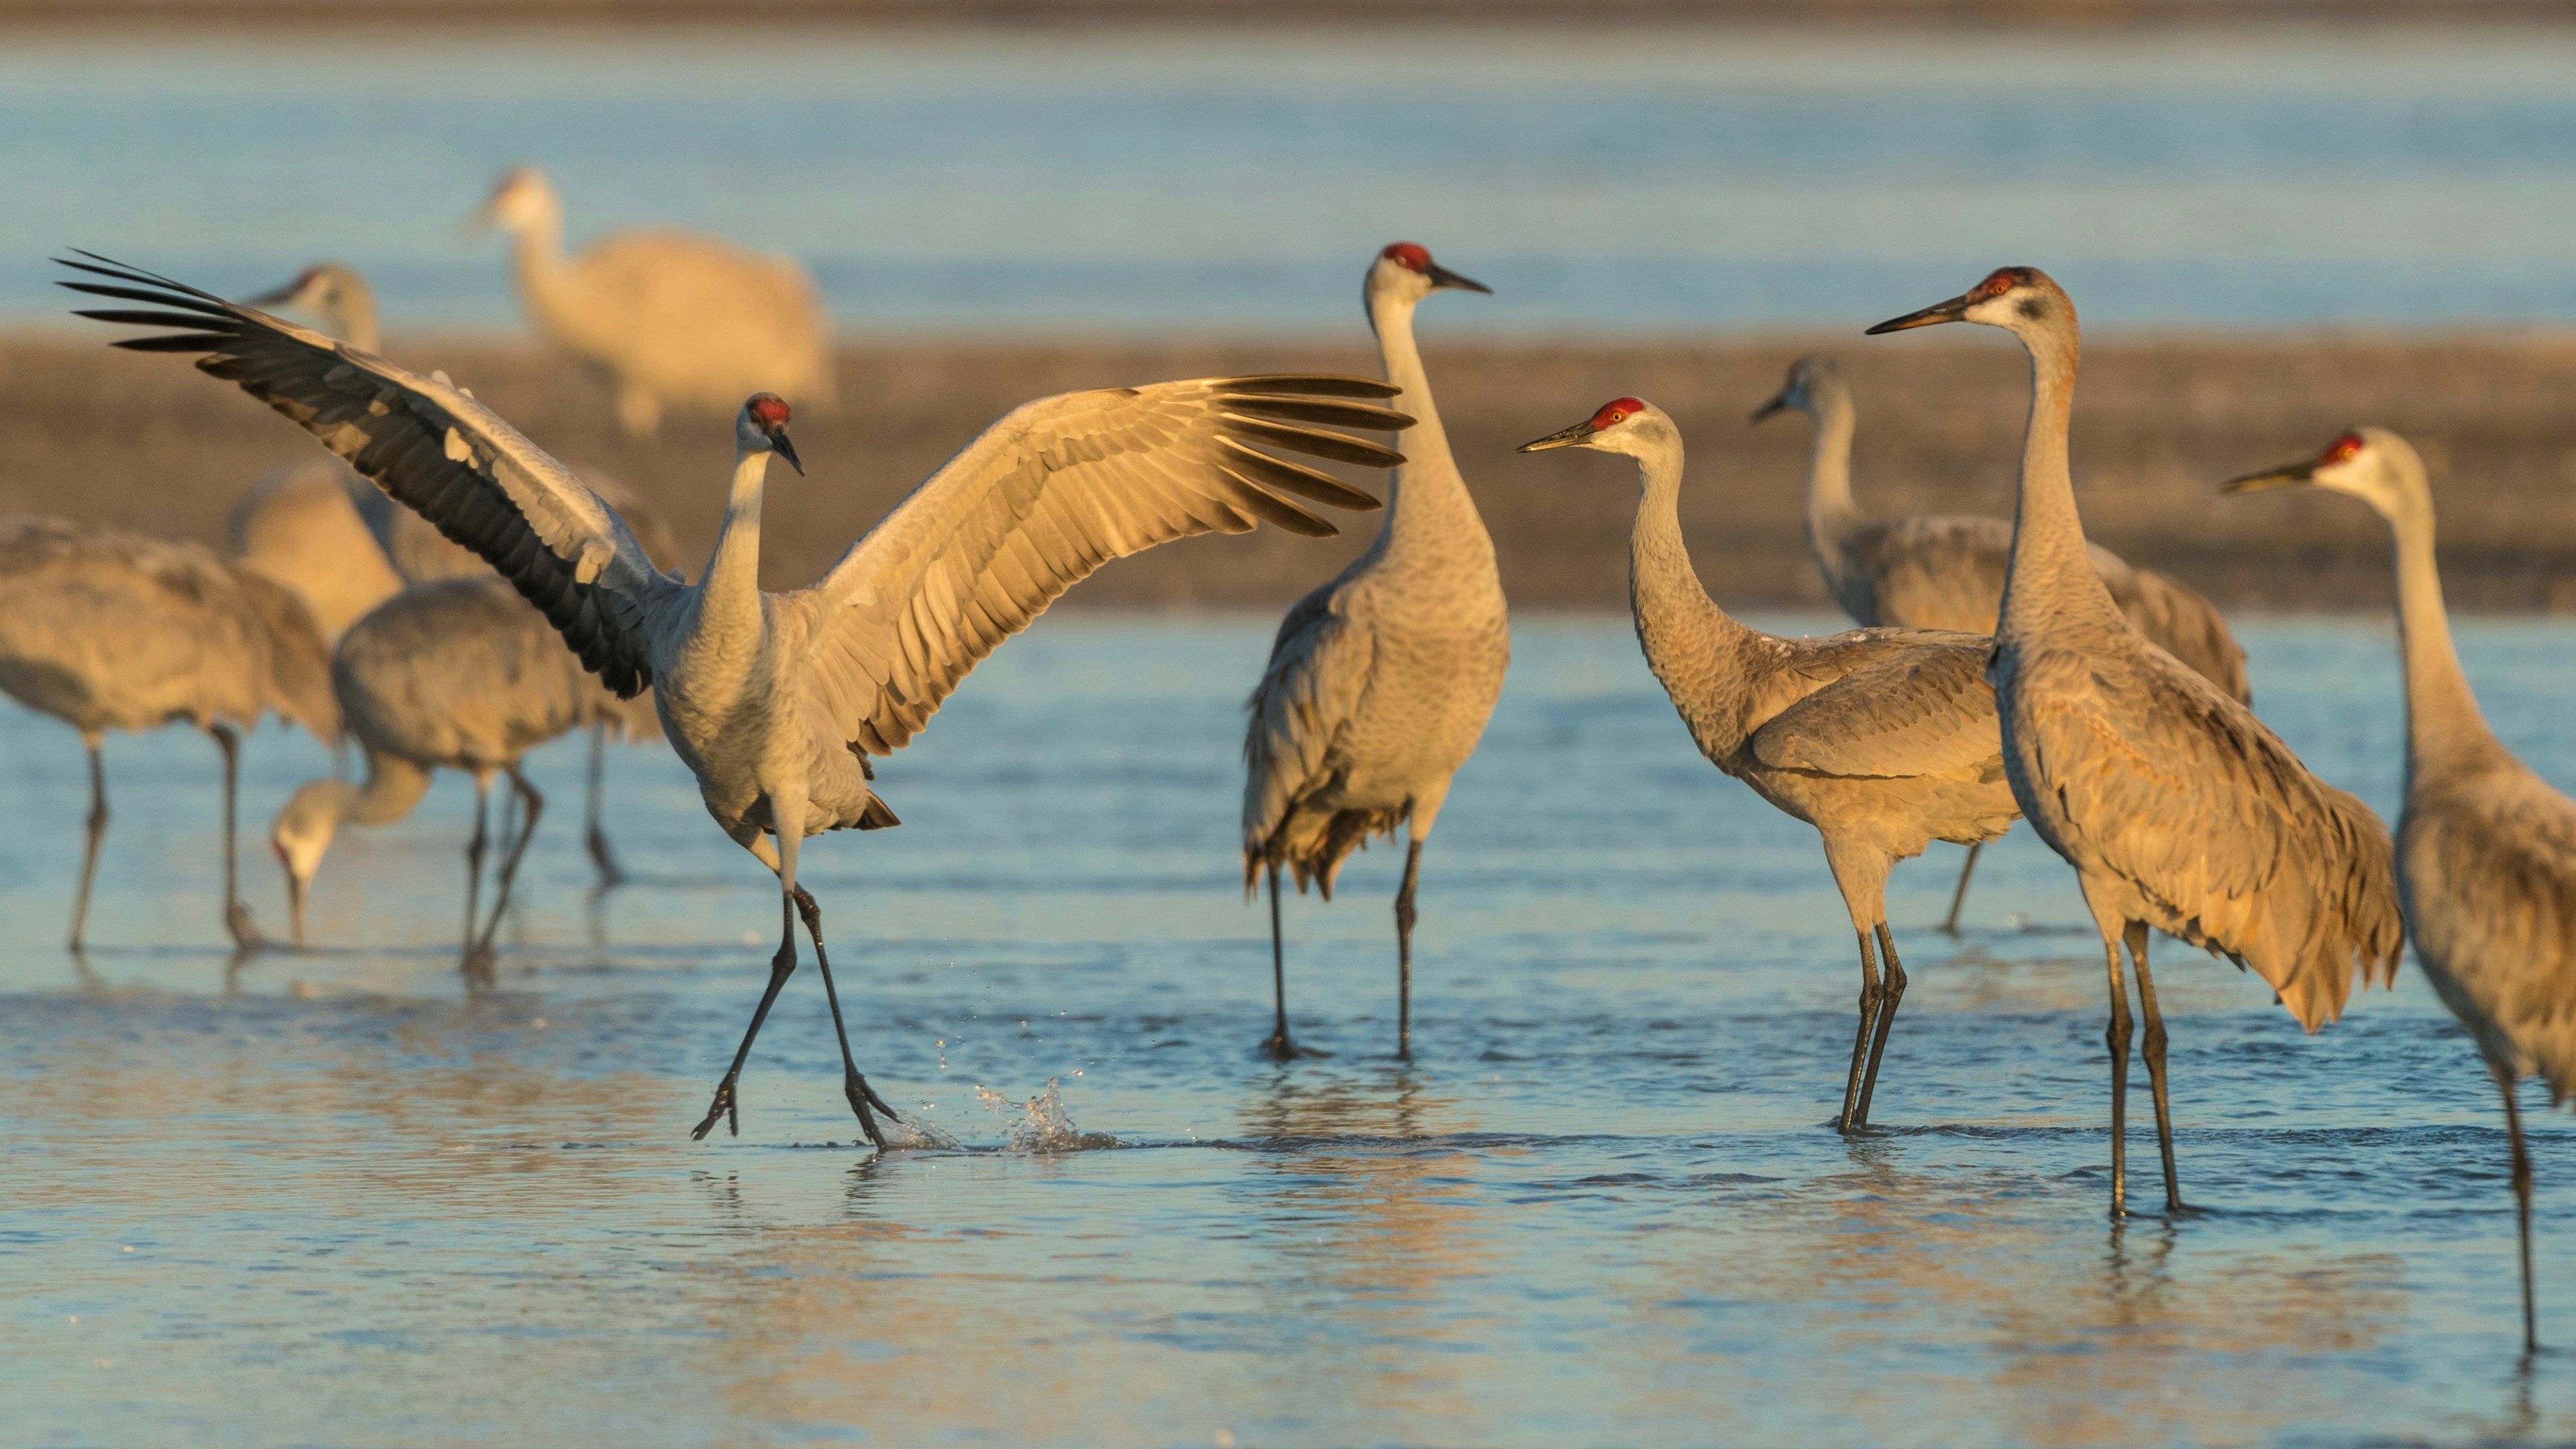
[862, 1097]
[724, 1107]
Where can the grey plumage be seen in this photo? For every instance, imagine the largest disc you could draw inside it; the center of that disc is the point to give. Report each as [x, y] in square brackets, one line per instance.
[346, 547]
[666, 318]
[1884, 740]
[2486, 850]
[1946, 571]
[2178, 809]
[106, 630]
[776, 701]
[1380, 681]
[457, 674]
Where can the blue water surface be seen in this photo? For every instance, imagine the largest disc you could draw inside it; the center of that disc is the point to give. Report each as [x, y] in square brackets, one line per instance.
[1140, 181]
[336, 1198]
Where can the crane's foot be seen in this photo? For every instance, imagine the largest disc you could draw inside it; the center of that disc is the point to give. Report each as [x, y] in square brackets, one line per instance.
[727, 1108]
[1279, 1048]
[480, 964]
[862, 1097]
[245, 931]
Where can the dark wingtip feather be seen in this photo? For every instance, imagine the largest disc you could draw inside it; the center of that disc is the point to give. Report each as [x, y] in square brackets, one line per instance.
[173, 342]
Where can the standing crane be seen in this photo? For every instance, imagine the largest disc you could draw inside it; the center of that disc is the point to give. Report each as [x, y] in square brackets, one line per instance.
[1380, 682]
[1946, 571]
[2486, 850]
[777, 702]
[459, 674]
[667, 318]
[1884, 740]
[338, 541]
[2176, 806]
[111, 631]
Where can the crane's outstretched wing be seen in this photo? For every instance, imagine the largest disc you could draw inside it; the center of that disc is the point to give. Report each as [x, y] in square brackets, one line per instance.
[1050, 493]
[1925, 710]
[429, 445]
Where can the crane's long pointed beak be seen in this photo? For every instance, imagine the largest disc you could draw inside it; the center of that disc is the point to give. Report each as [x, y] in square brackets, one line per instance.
[277, 297]
[1954, 310]
[2290, 476]
[1443, 277]
[1573, 437]
[1779, 403]
[780, 444]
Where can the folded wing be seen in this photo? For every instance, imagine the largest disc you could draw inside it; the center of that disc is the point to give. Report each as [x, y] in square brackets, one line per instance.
[1921, 711]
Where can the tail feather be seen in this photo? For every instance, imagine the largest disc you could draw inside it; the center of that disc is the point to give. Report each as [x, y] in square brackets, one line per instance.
[2352, 926]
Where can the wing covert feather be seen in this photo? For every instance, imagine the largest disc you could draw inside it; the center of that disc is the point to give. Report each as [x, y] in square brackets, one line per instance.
[1920, 711]
[1049, 494]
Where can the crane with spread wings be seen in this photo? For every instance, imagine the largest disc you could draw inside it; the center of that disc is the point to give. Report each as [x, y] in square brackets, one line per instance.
[778, 701]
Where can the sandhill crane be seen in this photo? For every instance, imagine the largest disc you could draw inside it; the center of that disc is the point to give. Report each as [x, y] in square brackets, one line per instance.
[1379, 682]
[667, 318]
[2176, 806]
[1946, 571]
[110, 631]
[340, 543]
[777, 701]
[2486, 850]
[459, 674]
[1882, 739]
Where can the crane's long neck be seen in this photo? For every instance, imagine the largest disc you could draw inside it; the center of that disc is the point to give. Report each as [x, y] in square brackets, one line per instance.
[536, 256]
[1427, 501]
[1831, 514]
[353, 318]
[394, 789]
[2050, 579]
[1692, 645]
[2443, 724]
[731, 584]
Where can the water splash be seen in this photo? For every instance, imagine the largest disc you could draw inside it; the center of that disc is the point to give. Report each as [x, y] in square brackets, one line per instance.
[1040, 1124]
[917, 1133]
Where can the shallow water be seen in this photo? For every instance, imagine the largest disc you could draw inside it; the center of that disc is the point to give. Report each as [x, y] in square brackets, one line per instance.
[332, 1198]
[1146, 180]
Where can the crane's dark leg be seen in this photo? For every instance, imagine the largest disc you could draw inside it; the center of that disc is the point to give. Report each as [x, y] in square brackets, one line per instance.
[1280, 1045]
[610, 875]
[727, 1106]
[1404, 949]
[853, 1085]
[2154, 1052]
[1895, 992]
[2522, 1206]
[245, 932]
[531, 806]
[474, 847]
[2117, 1037]
[1959, 897]
[97, 833]
[1850, 1118]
